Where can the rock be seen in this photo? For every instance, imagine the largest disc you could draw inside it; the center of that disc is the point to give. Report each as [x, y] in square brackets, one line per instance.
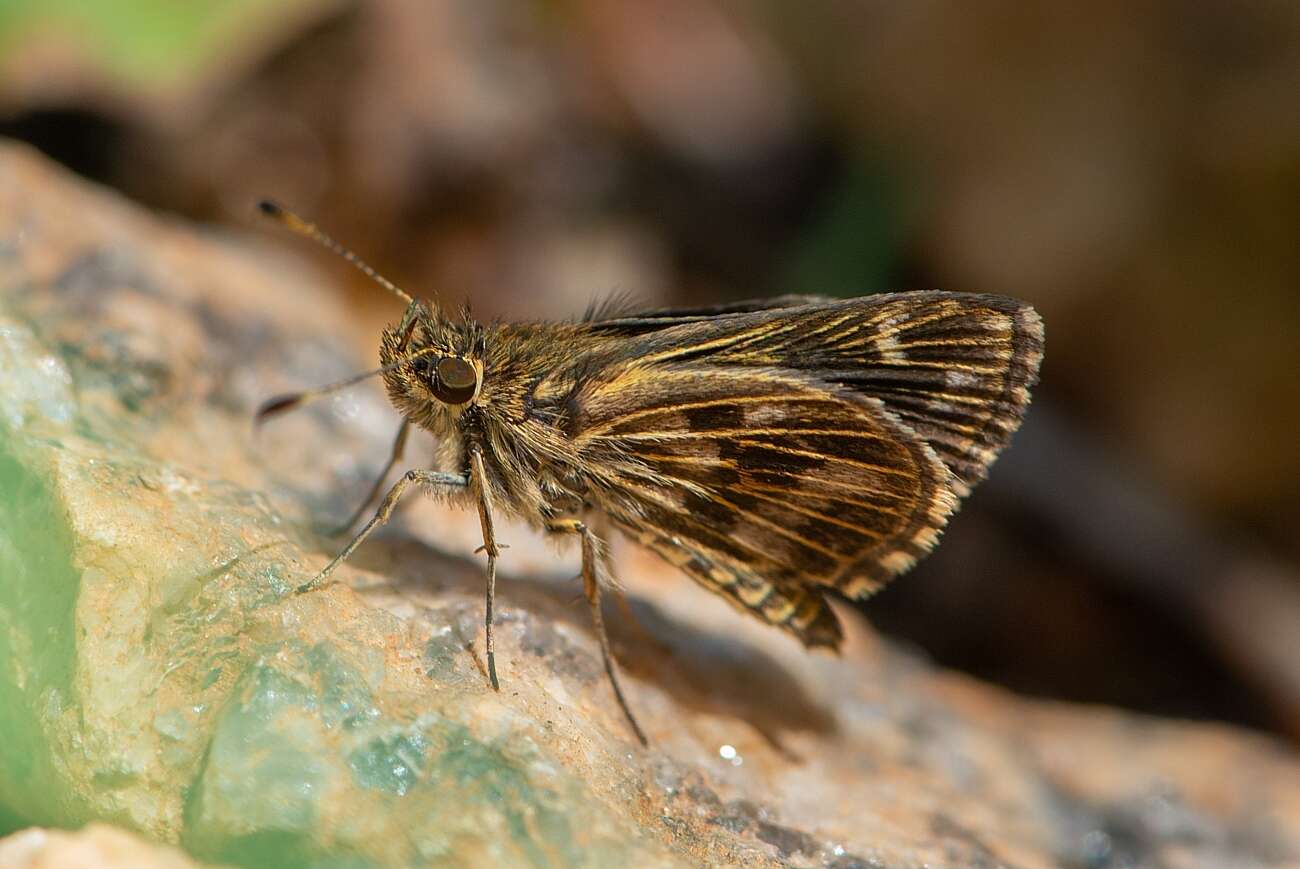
[157, 671]
[96, 846]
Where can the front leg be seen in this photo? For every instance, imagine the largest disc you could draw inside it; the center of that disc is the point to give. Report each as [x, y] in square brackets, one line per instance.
[593, 561]
[433, 480]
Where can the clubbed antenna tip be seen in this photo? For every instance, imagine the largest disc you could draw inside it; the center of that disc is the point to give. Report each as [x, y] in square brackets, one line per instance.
[276, 406]
[287, 218]
[283, 403]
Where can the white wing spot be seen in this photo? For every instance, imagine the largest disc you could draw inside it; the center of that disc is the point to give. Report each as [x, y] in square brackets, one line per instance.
[955, 379]
[889, 349]
[897, 561]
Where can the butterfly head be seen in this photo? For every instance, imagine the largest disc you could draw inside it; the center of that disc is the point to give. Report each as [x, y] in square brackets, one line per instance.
[434, 364]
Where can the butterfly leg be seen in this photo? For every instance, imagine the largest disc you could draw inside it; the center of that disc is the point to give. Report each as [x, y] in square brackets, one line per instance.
[493, 553]
[592, 562]
[435, 481]
[399, 448]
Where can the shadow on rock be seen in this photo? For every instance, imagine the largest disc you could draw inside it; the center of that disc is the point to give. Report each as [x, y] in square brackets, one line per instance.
[701, 670]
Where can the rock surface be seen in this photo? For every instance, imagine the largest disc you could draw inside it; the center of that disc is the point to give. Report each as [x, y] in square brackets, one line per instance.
[157, 672]
[95, 846]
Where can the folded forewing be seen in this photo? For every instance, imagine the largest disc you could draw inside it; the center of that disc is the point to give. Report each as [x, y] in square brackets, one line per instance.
[954, 367]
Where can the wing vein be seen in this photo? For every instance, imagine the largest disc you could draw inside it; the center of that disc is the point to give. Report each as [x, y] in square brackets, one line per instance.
[726, 401]
[813, 514]
[810, 454]
[716, 434]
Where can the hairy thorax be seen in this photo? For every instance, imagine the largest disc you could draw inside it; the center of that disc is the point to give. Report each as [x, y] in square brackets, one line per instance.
[516, 418]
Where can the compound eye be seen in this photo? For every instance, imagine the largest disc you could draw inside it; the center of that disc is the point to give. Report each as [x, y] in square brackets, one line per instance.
[456, 380]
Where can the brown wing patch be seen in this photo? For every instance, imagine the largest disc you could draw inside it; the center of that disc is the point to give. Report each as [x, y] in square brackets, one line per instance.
[763, 486]
[955, 368]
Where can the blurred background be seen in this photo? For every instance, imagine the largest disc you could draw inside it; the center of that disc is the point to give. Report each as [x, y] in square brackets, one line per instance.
[1130, 168]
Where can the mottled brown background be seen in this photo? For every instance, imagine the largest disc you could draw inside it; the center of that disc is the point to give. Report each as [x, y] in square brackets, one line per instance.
[1131, 168]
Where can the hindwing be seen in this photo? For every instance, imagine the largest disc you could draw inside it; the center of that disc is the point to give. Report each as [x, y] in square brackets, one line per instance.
[764, 487]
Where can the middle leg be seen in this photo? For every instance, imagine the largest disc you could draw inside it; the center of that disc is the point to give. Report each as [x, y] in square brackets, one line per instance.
[493, 552]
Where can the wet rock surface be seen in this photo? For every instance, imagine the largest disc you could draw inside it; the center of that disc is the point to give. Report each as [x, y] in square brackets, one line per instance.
[158, 672]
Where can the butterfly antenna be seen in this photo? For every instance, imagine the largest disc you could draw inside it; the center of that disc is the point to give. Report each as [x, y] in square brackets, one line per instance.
[289, 220]
[292, 400]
